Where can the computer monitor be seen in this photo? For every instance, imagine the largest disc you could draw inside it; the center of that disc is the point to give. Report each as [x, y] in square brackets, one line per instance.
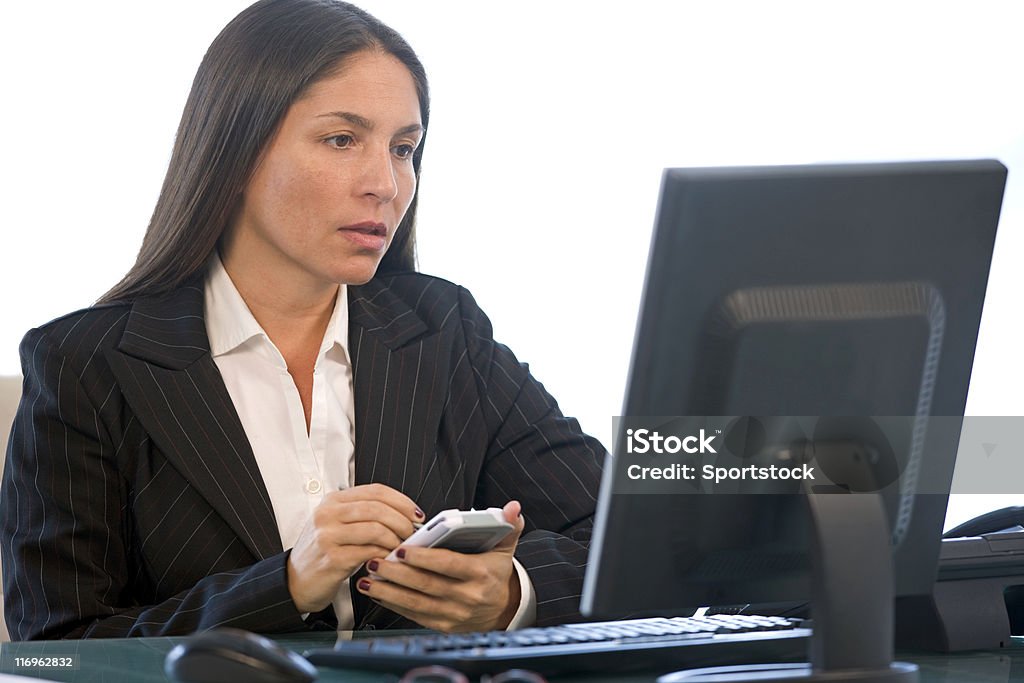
[821, 313]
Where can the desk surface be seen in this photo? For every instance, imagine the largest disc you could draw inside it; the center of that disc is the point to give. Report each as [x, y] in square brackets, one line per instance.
[140, 660]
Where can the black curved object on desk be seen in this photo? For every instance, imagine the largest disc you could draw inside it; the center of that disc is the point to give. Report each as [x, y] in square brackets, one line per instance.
[228, 654]
[1005, 519]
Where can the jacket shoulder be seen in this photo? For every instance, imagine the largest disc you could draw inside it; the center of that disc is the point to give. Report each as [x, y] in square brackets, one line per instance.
[90, 328]
[433, 299]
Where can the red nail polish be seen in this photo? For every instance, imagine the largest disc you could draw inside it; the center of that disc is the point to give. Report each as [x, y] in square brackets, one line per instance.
[400, 553]
[363, 585]
[373, 565]
[420, 514]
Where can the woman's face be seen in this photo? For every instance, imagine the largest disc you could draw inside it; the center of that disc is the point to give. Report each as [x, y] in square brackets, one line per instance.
[335, 181]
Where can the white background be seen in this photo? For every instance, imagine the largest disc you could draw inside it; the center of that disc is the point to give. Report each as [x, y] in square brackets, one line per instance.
[551, 122]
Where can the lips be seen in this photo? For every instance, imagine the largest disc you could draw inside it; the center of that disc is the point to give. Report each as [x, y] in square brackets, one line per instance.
[367, 235]
[368, 228]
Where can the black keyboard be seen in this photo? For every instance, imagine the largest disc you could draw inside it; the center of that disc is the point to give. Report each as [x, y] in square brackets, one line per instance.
[649, 644]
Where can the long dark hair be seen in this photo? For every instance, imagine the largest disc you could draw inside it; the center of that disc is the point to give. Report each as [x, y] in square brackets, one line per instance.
[262, 61]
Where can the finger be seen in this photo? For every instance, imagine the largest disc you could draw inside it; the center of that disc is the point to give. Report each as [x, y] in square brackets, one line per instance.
[347, 559]
[361, 534]
[513, 512]
[414, 578]
[422, 608]
[449, 563]
[350, 512]
[385, 494]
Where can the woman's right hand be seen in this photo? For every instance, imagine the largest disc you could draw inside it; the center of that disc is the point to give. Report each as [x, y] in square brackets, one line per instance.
[348, 528]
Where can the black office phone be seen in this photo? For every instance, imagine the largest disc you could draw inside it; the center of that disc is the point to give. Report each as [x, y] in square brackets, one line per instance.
[978, 598]
[1003, 520]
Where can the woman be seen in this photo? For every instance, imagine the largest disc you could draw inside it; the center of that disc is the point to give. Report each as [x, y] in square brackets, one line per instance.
[258, 413]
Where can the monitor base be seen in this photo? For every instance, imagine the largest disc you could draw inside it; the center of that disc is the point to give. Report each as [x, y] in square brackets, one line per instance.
[851, 602]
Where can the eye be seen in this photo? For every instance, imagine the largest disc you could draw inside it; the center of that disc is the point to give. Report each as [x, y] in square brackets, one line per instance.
[343, 141]
[404, 151]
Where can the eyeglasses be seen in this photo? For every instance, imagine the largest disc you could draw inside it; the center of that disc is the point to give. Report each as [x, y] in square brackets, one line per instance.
[442, 674]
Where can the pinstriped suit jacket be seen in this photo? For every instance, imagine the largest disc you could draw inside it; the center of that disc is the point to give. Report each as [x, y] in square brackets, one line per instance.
[132, 504]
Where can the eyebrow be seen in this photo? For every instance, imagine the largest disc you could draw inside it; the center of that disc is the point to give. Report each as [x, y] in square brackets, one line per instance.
[366, 123]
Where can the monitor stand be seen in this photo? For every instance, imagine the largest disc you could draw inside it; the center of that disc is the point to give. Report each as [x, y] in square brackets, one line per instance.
[851, 602]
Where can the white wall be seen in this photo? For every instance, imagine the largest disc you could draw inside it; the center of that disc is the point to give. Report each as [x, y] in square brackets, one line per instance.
[551, 123]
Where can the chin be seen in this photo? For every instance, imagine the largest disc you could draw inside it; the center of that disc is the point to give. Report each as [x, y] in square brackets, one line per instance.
[356, 273]
[356, 281]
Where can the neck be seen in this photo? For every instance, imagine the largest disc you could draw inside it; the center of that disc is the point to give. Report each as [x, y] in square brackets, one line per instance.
[294, 313]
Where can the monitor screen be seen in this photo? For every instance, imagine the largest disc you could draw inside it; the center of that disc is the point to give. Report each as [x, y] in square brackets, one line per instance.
[824, 314]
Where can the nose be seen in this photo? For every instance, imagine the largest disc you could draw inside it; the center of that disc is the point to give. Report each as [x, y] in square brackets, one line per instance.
[378, 178]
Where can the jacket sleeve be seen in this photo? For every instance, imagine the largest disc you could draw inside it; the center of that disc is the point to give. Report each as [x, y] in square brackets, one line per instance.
[541, 458]
[65, 526]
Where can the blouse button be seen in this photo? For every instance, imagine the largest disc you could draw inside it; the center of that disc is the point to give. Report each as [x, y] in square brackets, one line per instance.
[313, 486]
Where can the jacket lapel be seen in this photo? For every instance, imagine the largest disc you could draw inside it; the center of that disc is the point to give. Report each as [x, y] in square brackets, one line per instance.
[169, 379]
[400, 376]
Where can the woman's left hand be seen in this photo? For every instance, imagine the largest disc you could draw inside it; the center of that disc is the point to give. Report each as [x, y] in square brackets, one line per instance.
[451, 591]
